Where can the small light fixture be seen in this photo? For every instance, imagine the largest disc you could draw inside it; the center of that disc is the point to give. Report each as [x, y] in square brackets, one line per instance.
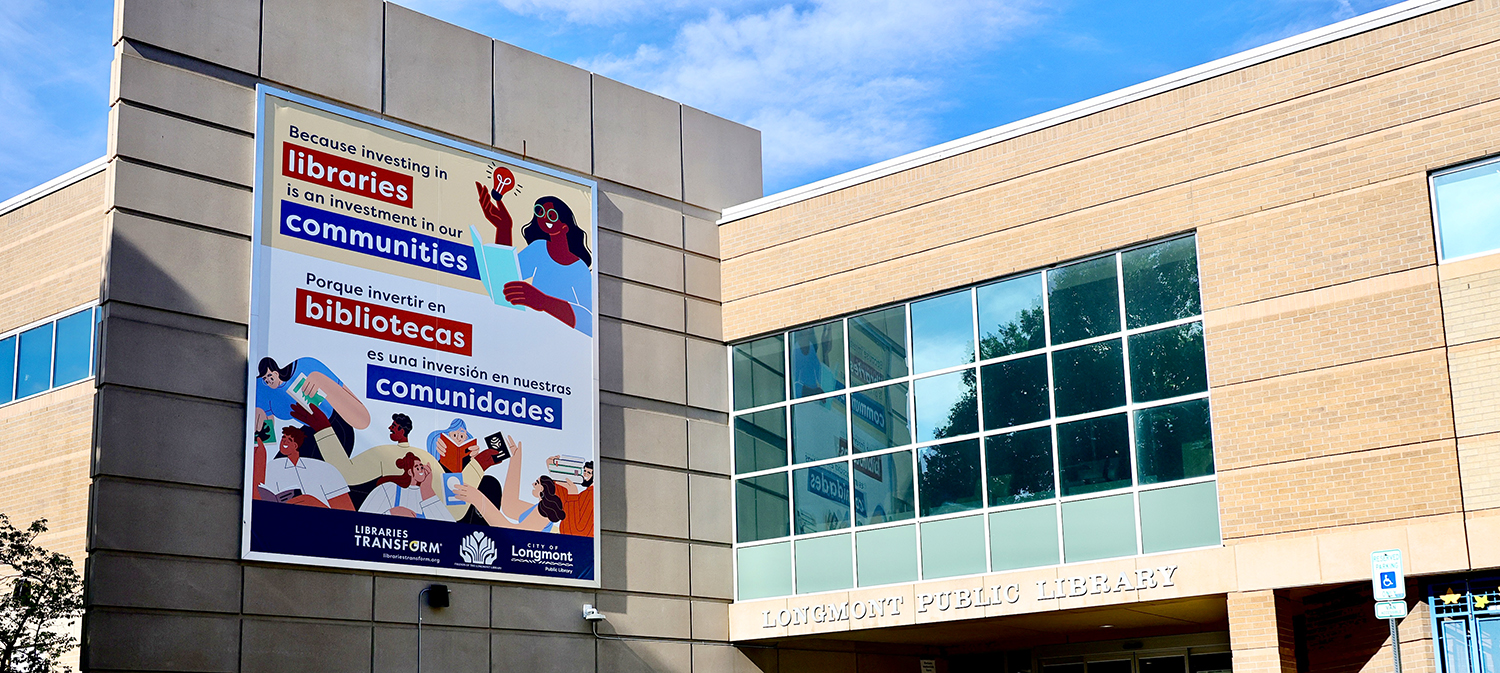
[1106, 626]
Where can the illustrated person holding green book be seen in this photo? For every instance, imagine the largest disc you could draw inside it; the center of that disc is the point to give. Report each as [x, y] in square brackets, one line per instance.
[308, 383]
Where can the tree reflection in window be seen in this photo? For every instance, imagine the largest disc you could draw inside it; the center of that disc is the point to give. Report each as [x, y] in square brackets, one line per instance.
[949, 478]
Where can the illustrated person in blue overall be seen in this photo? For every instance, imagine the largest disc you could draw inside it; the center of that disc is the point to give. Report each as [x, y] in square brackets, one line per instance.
[555, 264]
[308, 382]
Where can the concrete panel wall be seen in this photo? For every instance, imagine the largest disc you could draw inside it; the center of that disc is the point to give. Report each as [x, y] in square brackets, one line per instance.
[175, 337]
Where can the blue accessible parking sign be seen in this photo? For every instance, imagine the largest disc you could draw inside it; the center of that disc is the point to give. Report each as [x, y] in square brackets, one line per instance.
[1387, 575]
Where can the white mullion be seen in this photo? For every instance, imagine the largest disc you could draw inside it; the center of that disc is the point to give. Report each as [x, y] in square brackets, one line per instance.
[911, 421]
[1175, 322]
[984, 473]
[1178, 482]
[15, 367]
[849, 460]
[1135, 478]
[1048, 350]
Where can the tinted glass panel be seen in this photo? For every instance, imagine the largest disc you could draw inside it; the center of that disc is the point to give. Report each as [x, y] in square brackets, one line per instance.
[1098, 528]
[760, 440]
[877, 346]
[34, 367]
[1455, 645]
[1020, 466]
[822, 497]
[1094, 454]
[1217, 662]
[1024, 538]
[1468, 210]
[953, 547]
[1161, 282]
[1180, 517]
[761, 507]
[879, 417]
[71, 361]
[1084, 299]
[1116, 666]
[949, 477]
[1010, 316]
[947, 406]
[818, 430]
[825, 564]
[886, 555]
[7, 369]
[1167, 363]
[759, 373]
[1015, 392]
[818, 359]
[942, 331]
[765, 571]
[1174, 442]
[1177, 664]
[883, 488]
[1089, 378]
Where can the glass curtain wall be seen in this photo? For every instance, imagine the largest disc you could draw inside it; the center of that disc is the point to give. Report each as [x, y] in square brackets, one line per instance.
[1057, 416]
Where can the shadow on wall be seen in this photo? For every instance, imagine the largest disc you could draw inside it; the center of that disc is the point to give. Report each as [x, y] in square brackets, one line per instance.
[1339, 634]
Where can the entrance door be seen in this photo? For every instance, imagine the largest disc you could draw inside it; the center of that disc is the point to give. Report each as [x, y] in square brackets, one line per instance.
[1183, 660]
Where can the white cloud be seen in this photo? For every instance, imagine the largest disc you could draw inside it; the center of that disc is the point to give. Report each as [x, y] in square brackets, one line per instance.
[832, 84]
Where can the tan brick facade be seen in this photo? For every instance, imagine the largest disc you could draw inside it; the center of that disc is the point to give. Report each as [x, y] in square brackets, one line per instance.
[51, 253]
[51, 257]
[1355, 382]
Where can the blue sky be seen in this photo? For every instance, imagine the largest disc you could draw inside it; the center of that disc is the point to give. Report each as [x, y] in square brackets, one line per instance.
[832, 84]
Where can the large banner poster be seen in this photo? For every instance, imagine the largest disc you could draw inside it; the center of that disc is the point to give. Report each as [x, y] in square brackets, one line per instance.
[422, 362]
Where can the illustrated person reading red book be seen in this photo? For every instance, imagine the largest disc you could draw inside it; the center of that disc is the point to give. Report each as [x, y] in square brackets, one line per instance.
[451, 446]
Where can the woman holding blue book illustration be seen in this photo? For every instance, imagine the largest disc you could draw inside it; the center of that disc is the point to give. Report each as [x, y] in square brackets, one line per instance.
[554, 266]
[310, 383]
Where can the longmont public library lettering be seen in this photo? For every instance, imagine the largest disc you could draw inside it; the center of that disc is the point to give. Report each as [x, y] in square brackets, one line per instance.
[375, 342]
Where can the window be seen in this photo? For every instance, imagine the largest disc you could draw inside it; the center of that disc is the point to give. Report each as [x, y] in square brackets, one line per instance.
[47, 354]
[1466, 206]
[1466, 630]
[1056, 416]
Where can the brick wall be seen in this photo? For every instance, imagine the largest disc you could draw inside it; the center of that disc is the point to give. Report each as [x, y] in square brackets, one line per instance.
[51, 253]
[1305, 180]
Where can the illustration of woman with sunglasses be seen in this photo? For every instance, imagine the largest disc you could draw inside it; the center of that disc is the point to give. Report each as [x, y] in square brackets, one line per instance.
[554, 265]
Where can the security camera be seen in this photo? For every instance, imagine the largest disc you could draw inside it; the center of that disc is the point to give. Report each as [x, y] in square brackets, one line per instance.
[590, 613]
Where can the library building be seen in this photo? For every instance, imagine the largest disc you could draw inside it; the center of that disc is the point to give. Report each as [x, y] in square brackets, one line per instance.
[1200, 375]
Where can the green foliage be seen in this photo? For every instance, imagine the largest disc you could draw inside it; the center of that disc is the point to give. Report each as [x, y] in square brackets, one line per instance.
[41, 592]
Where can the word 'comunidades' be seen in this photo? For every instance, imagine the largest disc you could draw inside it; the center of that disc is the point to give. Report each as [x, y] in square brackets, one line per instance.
[476, 399]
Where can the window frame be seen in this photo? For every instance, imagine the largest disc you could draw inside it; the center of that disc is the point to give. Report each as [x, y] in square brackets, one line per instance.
[910, 378]
[93, 364]
[1432, 204]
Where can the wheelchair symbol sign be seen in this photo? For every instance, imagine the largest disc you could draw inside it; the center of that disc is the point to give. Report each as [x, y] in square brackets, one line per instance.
[1388, 575]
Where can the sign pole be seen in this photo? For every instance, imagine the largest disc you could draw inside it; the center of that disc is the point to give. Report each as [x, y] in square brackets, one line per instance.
[1389, 584]
[1395, 645]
